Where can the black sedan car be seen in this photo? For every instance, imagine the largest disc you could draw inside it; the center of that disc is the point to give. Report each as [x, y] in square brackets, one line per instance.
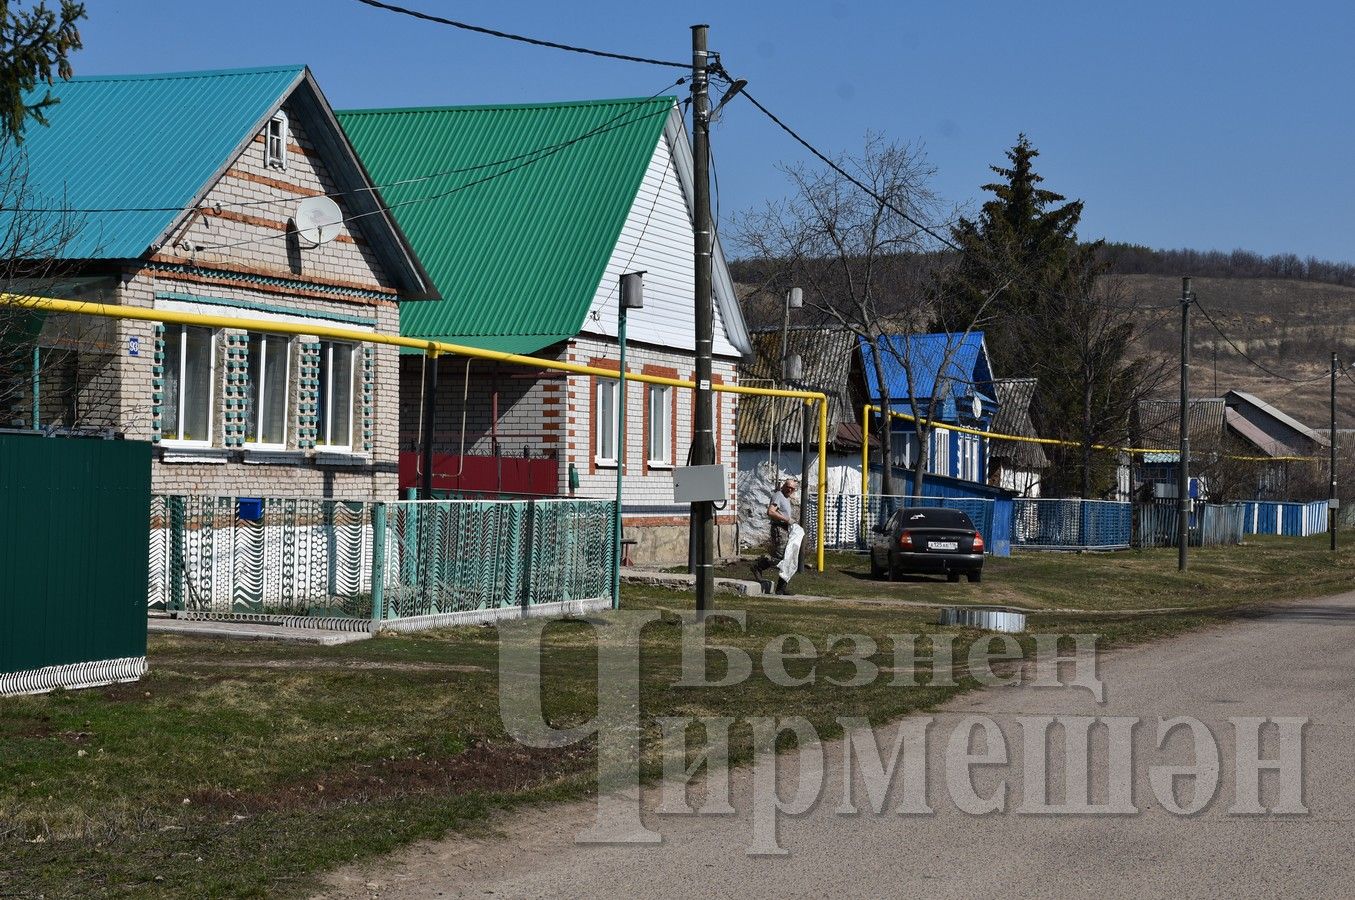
[927, 540]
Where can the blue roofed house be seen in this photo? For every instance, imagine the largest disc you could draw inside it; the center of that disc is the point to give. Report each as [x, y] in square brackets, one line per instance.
[180, 192]
[948, 375]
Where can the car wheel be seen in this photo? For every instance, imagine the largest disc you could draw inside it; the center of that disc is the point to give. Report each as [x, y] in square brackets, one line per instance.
[952, 577]
[975, 576]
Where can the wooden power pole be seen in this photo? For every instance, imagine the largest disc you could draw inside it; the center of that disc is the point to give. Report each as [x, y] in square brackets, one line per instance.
[1183, 468]
[703, 512]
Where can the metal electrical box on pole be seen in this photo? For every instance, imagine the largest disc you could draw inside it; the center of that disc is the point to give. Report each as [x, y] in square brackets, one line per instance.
[632, 296]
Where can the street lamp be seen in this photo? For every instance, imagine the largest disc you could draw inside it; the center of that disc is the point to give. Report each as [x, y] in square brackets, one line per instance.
[632, 297]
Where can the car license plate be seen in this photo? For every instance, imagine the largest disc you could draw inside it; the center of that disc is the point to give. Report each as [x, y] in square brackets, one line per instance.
[942, 545]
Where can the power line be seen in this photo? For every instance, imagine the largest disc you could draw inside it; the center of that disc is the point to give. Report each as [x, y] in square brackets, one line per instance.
[1240, 352]
[417, 179]
[523, 161]
[844, 173]
[536, 42]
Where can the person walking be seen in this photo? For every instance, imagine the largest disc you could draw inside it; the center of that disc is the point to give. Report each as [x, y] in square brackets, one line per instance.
[780, 516]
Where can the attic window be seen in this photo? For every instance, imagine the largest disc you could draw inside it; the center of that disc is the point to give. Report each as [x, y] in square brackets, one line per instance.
[275, 142]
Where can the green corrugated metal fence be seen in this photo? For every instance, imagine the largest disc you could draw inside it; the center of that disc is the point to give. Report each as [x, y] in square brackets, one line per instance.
[73, 561]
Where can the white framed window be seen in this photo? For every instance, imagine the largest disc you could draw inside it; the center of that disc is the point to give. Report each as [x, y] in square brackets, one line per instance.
[334, 426]
[968, 447]
[905, 448]
[940, 452]
[659, 413]
[266, 380]
[606, 425]
[190, 373]
[275, 142]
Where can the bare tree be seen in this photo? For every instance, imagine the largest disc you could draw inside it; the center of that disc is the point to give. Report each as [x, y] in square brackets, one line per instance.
[72, 355]
[1093, 373]
[866, 262]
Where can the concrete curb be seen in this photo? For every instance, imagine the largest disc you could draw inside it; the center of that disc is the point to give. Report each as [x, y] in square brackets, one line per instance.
[246, 631]
[677, 580]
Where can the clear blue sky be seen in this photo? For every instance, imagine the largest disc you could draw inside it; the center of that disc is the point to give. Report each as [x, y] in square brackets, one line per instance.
[1211, 125]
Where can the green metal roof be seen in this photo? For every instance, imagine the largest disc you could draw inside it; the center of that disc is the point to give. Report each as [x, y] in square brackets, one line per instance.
[128, 153]
[518, 227]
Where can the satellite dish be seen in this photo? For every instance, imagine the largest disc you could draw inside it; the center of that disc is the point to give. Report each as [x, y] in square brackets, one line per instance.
[318, 220]
[977, 408]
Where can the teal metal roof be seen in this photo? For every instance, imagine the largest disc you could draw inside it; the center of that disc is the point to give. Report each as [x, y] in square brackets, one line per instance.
[129, 153]
[518, 227]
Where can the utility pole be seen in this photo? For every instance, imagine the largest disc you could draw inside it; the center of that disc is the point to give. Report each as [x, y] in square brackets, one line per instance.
[1331, 484]
[1183, 468]
[430, 391]
[703, 512]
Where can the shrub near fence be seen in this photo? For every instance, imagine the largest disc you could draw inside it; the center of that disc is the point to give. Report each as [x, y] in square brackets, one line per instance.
[333, 563]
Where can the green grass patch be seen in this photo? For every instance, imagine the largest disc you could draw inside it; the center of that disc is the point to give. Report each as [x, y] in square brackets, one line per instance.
[246, 769]
[1265, 568]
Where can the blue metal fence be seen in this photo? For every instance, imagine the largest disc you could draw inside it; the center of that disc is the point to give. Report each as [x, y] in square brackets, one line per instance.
[1211, 524]
[843, 521]
[1290, 519]
[1070, 524]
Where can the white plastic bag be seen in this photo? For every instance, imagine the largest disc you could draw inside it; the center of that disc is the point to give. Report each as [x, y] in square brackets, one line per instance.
[790, 563]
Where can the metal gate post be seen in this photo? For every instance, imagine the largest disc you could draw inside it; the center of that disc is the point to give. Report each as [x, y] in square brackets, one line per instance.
[524, 560]
[175, 508]
[331, 551]
[378, 561]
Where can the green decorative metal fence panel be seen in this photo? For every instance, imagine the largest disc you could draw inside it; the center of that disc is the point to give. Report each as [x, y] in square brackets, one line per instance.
[453, 556]
[73, 559]
[243, 557]
[344, 564]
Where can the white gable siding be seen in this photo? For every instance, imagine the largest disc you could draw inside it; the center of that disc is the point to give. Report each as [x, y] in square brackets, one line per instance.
[657, 239]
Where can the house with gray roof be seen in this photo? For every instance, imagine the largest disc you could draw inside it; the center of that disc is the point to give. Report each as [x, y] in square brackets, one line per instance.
[1016, 466]
[770, 429]
[1280, 453]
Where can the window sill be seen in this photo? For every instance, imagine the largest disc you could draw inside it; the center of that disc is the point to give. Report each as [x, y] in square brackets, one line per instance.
[262, 456]
[180, 453]
[605, 463]
[661, 466]
[341, 458]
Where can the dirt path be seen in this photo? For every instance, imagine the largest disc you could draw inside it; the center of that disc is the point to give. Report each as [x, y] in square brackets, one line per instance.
[1299, 662]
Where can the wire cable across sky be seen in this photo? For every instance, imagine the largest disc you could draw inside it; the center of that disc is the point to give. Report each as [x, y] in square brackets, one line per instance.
[535, 42]
[1242, 353]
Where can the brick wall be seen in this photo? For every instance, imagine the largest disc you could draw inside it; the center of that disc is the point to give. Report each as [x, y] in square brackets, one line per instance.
[649, 513]
[530, 406]
[240, 261]
[254, 237]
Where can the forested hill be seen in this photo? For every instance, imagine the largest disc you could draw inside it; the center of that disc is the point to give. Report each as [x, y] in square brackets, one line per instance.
[1286, 312]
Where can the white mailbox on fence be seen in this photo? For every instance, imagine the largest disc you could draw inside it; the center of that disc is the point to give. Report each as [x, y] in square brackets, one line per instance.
[696, 484]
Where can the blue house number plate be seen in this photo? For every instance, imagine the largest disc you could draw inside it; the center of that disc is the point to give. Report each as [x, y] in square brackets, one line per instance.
[134, 346]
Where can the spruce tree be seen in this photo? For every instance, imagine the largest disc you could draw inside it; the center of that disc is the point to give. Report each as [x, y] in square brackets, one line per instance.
[1051, 319]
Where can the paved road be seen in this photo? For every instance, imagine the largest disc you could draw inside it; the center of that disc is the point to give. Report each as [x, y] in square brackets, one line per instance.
[1298, 662]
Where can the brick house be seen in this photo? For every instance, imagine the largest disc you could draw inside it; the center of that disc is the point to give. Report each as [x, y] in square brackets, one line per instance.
[525, 217]
[178, 192]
